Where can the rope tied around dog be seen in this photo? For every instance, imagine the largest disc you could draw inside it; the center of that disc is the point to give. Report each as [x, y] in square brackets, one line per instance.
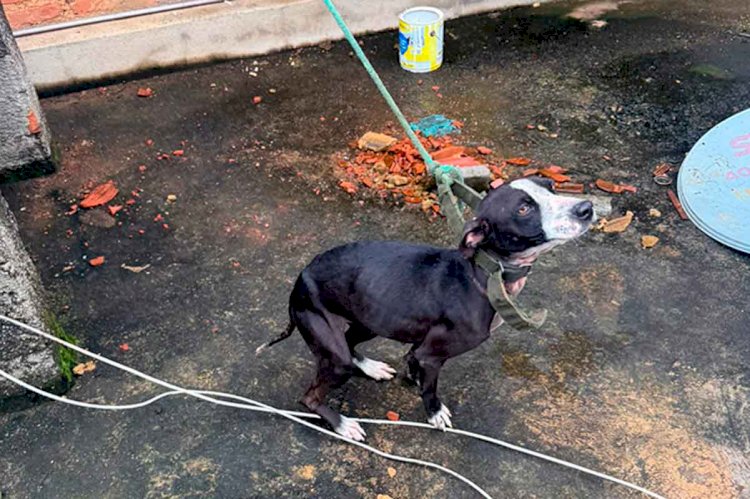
[452, 194]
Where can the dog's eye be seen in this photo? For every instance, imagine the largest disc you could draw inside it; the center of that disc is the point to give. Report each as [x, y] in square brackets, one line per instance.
[524, 209]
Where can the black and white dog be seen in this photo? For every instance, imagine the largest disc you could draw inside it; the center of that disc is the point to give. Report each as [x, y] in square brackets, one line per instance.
[433, 298]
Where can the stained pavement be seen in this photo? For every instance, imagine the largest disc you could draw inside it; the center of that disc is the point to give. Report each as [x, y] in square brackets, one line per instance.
[641, 371]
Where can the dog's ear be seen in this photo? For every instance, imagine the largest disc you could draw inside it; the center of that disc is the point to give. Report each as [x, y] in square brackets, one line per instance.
[475, 231]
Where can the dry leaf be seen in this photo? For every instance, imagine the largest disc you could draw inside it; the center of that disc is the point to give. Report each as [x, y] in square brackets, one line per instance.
[135, 269]
[83, 368]
[653, 212]
[649, 241]
[391, 472]
[306, 472]
[145, 92]
[616, 224]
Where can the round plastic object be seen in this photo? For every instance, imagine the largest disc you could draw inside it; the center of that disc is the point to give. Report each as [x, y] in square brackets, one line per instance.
[714, 182]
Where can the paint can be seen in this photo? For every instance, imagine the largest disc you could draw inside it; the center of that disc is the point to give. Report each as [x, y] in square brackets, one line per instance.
[420, 39]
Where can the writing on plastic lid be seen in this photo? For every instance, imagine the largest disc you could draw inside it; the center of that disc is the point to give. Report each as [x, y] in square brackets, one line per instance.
[714, 182]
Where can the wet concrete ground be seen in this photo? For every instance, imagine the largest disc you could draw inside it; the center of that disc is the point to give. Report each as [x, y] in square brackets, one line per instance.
[641, 371]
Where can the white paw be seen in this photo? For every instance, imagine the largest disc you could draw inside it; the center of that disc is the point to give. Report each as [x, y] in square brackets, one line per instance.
[441, 419]
[350, 429]
[375, 369]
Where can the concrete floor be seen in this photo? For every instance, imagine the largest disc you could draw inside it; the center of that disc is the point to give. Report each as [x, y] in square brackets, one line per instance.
[641, 371]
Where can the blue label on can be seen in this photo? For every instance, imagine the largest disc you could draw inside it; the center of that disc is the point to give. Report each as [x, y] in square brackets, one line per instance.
[403, 43]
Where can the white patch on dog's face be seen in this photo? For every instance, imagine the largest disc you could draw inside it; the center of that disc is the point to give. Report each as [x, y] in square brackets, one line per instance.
[559, 221]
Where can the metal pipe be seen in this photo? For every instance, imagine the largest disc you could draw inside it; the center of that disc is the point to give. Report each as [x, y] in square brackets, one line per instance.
[117, 16]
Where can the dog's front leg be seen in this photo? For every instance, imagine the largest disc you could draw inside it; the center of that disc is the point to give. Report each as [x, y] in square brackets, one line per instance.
[437, 414]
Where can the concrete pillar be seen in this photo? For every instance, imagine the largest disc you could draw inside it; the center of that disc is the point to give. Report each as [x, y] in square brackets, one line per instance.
[24, 145]
[23, 355]
[24, 138]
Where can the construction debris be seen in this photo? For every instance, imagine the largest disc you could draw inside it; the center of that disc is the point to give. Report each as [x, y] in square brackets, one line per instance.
[677, 204]
[97, 261]
[613, 188]
[399, 172]
[102, 194]
[373, 141]
[436, 125]
[569, 188]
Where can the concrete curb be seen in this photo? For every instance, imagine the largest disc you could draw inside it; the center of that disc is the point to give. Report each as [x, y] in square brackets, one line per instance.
[214, 32]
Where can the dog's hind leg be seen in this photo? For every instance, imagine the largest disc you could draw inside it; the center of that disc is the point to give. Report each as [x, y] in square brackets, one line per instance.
[335, 367]
[379, 371]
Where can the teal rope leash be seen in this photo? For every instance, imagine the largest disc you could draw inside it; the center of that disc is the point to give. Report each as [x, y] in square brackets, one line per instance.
[452, 192]
[443, 173]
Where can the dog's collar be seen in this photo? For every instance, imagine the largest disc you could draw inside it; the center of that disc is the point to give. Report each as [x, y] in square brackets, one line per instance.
[492, 264]
[498, 297]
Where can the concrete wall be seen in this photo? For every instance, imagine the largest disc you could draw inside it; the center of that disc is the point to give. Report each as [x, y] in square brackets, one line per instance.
[228, 30]
[25, 13]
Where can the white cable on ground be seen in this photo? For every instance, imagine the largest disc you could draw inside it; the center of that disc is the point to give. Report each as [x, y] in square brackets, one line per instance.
[295, 416]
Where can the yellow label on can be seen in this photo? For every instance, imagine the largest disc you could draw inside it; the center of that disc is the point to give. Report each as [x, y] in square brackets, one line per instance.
[421, 46]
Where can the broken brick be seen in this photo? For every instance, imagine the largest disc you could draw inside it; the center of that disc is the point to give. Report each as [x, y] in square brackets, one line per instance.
[569, 188]
[34, 126]
[518, 161]
[97, 261]
[102, 194]
[613, 188]
[557, 177]
[677, 204]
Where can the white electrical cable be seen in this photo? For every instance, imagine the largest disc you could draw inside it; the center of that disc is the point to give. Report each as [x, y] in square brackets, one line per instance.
[295, 416]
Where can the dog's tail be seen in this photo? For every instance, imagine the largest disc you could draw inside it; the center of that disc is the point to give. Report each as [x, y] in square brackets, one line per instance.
[286, 334]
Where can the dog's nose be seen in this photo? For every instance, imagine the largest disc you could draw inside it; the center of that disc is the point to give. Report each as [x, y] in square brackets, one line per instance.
[584, 210]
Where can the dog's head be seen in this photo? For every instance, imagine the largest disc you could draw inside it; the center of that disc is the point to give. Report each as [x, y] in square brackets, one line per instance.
[520, 220]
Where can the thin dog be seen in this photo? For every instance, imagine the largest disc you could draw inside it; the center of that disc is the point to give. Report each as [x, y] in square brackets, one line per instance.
[432, 298]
